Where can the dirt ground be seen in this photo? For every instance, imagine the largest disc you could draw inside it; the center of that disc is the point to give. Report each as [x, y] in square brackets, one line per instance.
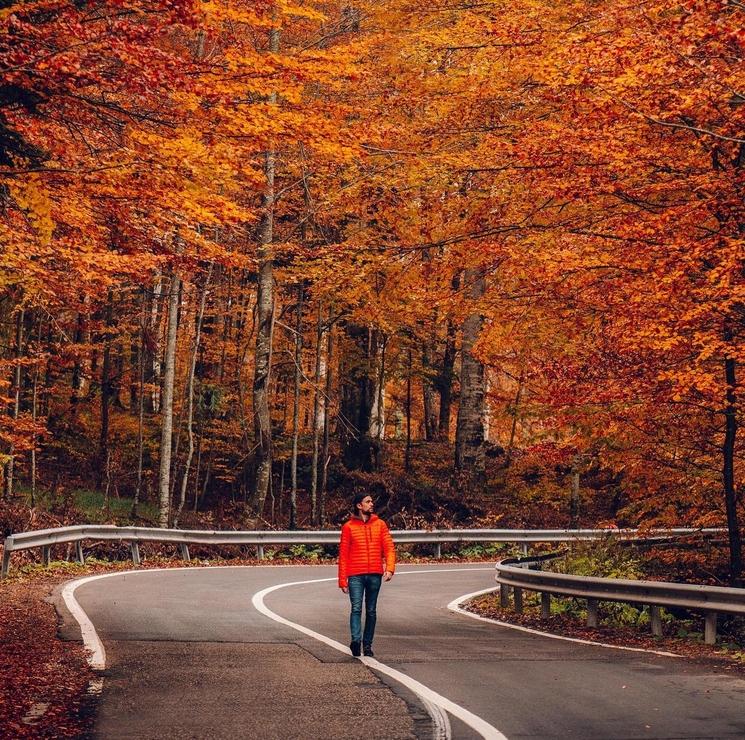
[43, 681]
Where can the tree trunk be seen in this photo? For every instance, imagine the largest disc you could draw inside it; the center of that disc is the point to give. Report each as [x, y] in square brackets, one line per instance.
[81, 368]
[34, 417]
[514, 411]
[487, 408]
[106, 393]
[240, 358]
[325, 457]
[445, 383]
[227, 325]
[407, 456]
[140, 407]
[135, 362]
[206, 483]
[115, 380]
[728, 454]
[447, 373]
[169, 375]
[262, 359]
[265, 311]
[190, 398]
[198, 467]
[469, 435]
[176, 471]
[360, 450]
[17, 377]
[153, 348]
[378, 344]
[377, 413]
[431, 432]
[317, 421]
[106, 505]
[46, 392]
[574, 501]
[296, 406]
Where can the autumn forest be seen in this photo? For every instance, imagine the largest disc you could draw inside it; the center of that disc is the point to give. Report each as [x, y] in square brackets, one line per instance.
[482, 259]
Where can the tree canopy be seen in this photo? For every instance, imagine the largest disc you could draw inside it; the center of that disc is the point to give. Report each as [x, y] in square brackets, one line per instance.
[256, 249]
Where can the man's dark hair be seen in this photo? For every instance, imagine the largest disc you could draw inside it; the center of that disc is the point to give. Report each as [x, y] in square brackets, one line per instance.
[358, 499]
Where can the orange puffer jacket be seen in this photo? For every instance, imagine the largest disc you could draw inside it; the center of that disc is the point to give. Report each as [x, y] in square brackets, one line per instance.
[363, 547]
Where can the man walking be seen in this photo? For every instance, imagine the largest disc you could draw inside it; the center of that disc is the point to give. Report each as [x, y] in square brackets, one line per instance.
[365, 544]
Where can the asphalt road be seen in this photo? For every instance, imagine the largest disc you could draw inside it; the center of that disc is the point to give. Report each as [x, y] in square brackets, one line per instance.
[189, 656]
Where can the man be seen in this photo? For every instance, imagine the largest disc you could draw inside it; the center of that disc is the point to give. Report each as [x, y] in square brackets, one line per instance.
[365, 544]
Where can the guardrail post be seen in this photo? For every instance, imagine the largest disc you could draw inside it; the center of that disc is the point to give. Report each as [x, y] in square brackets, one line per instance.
[260, 552]
[655, 620]
[518, 599]
[46, 554]
[710, 628]
[6, 563]
[184, 550]
[504, 595]
[79, 556]
[134, 548]
[592, 612]
[545, 604]
[438, 550]
[524, 549]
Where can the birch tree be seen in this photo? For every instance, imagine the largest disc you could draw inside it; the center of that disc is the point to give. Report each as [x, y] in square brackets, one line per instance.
[169, 376]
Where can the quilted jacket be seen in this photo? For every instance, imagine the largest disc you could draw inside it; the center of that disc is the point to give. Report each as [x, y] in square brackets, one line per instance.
[363, 548]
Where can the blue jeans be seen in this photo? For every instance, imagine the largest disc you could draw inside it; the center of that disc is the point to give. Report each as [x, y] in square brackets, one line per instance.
[369, 586]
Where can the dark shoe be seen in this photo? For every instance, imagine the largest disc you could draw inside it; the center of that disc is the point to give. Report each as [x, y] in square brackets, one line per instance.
[367, 651]
[354, 646]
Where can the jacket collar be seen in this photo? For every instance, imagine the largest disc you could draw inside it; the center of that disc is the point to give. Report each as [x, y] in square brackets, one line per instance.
[358, 518]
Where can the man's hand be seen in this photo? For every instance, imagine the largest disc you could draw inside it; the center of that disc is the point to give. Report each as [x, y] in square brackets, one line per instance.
[345, 589]
[387, 575]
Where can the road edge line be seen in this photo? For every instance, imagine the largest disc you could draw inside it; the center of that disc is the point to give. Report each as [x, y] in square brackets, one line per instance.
[455, 606]
[96, 656]
[91, 641]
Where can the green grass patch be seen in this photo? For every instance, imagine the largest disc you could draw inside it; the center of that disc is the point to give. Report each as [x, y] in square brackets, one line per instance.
[96, 509]
[93, 507]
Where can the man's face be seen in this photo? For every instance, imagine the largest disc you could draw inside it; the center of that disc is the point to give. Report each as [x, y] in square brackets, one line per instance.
[366, 505]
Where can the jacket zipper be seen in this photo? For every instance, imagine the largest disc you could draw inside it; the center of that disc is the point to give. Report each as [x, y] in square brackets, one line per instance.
[367, 541]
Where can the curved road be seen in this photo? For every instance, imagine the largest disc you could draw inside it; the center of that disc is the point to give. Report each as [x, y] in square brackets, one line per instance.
[189, 656]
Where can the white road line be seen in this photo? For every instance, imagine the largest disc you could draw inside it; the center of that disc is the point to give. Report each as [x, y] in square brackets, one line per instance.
[91, 640]
[423, 692]
[435, 703]
[441, 729]
[455, 606]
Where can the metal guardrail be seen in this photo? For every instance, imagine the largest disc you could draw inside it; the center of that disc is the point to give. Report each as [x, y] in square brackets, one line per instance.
[525, 573]
[46, 538]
